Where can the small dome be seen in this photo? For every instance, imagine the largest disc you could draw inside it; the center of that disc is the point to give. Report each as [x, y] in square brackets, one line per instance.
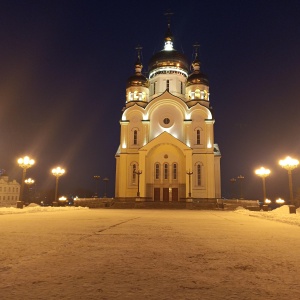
[138, 79]
[196, 77]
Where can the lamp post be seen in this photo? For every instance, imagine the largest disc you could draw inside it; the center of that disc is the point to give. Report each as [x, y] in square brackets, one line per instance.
[263, 173]
[25, 163]
[57, 172]
[29, 182]
[241, 178]
[233, 181]
[279, 201]
[63, 200]
[96, 178]
[138, 173]
[105, 186]
[289, 164]
[189, 173]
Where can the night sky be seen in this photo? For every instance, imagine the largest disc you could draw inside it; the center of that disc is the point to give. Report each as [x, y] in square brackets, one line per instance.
[64, 67]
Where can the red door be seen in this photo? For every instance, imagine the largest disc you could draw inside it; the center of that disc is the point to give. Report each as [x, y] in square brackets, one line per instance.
[165, 194]
[156, 194]
[174, 194]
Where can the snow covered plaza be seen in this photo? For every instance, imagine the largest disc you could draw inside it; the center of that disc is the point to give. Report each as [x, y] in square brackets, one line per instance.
[80, 253]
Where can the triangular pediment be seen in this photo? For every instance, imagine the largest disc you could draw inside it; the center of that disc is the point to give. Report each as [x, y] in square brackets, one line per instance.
[165, 138]
[166, 95]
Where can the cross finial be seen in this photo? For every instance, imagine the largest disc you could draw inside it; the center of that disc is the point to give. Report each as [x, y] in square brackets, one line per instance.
[169, 14]
[196, 47]
[138, 48]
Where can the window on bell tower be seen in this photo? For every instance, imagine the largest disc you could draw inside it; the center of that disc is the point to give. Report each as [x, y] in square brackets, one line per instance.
[168, 85]
[135, 134]
[199, 174]
[198, 137]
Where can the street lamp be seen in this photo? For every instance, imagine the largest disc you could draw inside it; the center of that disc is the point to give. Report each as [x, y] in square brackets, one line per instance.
[105, 186]
[29, 182]
[25, 163]
[57, 172]
[63, 200]
[289, 164]
[279, 201]
[138, 173]
[263, 173]
[241, 178]
[189, 173]
[233, 181]
[96, 178]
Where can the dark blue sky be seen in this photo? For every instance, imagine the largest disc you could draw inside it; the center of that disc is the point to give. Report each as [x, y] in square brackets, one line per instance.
[63, 72]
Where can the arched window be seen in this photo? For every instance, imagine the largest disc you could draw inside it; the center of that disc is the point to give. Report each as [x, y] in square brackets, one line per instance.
[135, 137]
[135, 95]
[175, 171]
[166, 171]
[130, 97]
[133, 173]
[157, 171]
[198, 136]
[199, 174]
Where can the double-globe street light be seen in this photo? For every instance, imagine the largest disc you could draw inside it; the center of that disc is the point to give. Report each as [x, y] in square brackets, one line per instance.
[57, 172]
[105, 180]
[263, 173]
[29, 182]
[25, 163]
[96, 178]
[289, 164]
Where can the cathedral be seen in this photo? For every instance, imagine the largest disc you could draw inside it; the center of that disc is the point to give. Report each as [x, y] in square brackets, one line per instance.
[167, 150]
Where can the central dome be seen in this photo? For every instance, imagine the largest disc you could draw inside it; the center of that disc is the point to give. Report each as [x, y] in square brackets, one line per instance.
[171, 58]
[168, 59]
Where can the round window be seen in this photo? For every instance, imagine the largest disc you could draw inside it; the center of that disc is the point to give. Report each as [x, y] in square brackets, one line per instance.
[166, 121]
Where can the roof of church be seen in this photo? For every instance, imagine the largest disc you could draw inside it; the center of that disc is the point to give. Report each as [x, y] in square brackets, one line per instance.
[168, 56]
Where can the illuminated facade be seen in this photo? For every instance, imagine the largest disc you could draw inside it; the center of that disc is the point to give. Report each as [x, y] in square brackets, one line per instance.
[167, 132]
[9, 191]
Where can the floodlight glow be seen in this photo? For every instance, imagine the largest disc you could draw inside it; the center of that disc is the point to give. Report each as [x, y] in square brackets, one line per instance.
[289, 163]
[279, 201]
[262, 172]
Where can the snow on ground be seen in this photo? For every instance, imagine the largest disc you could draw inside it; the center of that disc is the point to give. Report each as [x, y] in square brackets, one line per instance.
[281, 214]
[79, 253]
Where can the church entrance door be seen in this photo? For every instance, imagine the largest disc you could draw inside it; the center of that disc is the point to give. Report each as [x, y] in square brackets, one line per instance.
[174, 194]
[166, 194]
[156, 194]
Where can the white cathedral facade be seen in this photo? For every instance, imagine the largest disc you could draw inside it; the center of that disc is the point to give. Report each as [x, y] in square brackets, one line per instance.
[167, 150]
